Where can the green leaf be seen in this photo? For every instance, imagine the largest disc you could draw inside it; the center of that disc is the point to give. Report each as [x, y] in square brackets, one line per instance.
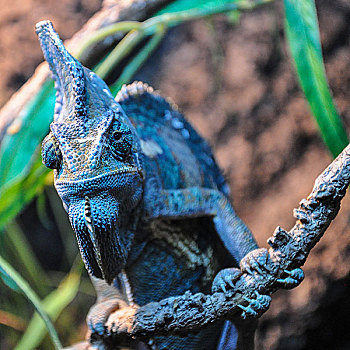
[15, 194]
[26, 260]
[8, 280]
[17, 151]
[184, 5]
[11, 274]
[53, 304]
[304, 41]
[21, 171]
[137, 61]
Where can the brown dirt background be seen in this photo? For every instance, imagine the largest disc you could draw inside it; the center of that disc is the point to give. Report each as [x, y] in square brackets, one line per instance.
[237, 85]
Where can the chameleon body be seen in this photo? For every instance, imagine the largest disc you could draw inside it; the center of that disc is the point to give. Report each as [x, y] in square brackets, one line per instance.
[144, 195]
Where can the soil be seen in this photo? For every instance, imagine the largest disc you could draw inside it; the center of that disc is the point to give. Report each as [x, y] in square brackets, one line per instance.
[236, 84]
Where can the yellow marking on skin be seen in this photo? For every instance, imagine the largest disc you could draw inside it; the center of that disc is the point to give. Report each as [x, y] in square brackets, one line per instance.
[184, 246]
[150, 148]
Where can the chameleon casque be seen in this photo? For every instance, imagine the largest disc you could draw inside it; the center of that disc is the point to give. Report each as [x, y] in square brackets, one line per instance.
[149, 206]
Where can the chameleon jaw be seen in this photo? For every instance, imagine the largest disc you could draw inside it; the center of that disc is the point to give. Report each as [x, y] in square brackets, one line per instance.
[102, 243]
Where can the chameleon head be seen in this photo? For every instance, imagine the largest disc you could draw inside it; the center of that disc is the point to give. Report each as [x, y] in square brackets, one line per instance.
[94, 151]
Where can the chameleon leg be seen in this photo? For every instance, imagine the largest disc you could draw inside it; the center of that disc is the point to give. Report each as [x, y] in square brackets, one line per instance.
[295, 277]
[226, 278]
[109, 299]
[257, 305]
[255, 262]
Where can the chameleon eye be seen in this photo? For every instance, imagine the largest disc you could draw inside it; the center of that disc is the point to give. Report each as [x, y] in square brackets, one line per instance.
[50, 152]
[121, 141]
[117, 135]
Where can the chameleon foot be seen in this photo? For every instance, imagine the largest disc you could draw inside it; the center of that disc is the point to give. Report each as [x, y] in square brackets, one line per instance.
[295, 277]
[99, 313]
[115, 330]
[256, 306]
[226, 278]
[256, 260]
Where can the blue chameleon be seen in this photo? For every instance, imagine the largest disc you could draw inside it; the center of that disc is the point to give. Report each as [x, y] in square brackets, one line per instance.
[145, 197]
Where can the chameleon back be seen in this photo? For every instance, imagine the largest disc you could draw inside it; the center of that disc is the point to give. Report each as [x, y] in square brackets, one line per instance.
[173, 149]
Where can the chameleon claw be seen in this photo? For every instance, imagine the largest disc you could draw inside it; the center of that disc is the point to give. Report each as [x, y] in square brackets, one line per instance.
[225, 279]
[223, 287]
[256, 305]
[248, 270]
[297, 274]
[256, 260]
[295, 277]
[263, 300]
[248, 311]
[253, 303]
[229, 281]
[258, 269]
[98, 328]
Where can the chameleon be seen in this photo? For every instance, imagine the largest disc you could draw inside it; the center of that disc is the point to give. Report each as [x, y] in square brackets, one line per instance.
[148, 204]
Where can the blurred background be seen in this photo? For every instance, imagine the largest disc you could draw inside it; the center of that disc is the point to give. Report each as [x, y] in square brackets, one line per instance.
[234, 80]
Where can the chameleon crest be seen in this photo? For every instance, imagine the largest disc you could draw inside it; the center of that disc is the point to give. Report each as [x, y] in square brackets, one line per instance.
[94, 150]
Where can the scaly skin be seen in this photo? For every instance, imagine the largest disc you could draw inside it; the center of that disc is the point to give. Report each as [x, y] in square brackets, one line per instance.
[145, 198]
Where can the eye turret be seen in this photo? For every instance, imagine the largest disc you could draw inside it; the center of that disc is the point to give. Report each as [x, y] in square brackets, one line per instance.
[51, 153]
[121, 139]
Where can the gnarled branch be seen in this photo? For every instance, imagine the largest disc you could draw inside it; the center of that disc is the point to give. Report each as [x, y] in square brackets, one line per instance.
[289, 250]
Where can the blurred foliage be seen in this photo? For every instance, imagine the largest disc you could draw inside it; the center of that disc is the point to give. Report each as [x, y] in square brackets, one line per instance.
[23, 177]
[17, 283]
[304, 41]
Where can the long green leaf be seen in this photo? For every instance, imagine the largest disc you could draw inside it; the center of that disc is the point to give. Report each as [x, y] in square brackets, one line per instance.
[25, 255]
[53, 304]
[304, 42]
[185, 5]
[137, 61]
[11, 274]
[15, 194]
[17, 152]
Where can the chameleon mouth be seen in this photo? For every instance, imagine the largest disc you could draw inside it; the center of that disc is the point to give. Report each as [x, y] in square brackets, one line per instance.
[92, 233]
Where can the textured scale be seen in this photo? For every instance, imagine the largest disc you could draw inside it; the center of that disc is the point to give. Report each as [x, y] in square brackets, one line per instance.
[172, 147]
